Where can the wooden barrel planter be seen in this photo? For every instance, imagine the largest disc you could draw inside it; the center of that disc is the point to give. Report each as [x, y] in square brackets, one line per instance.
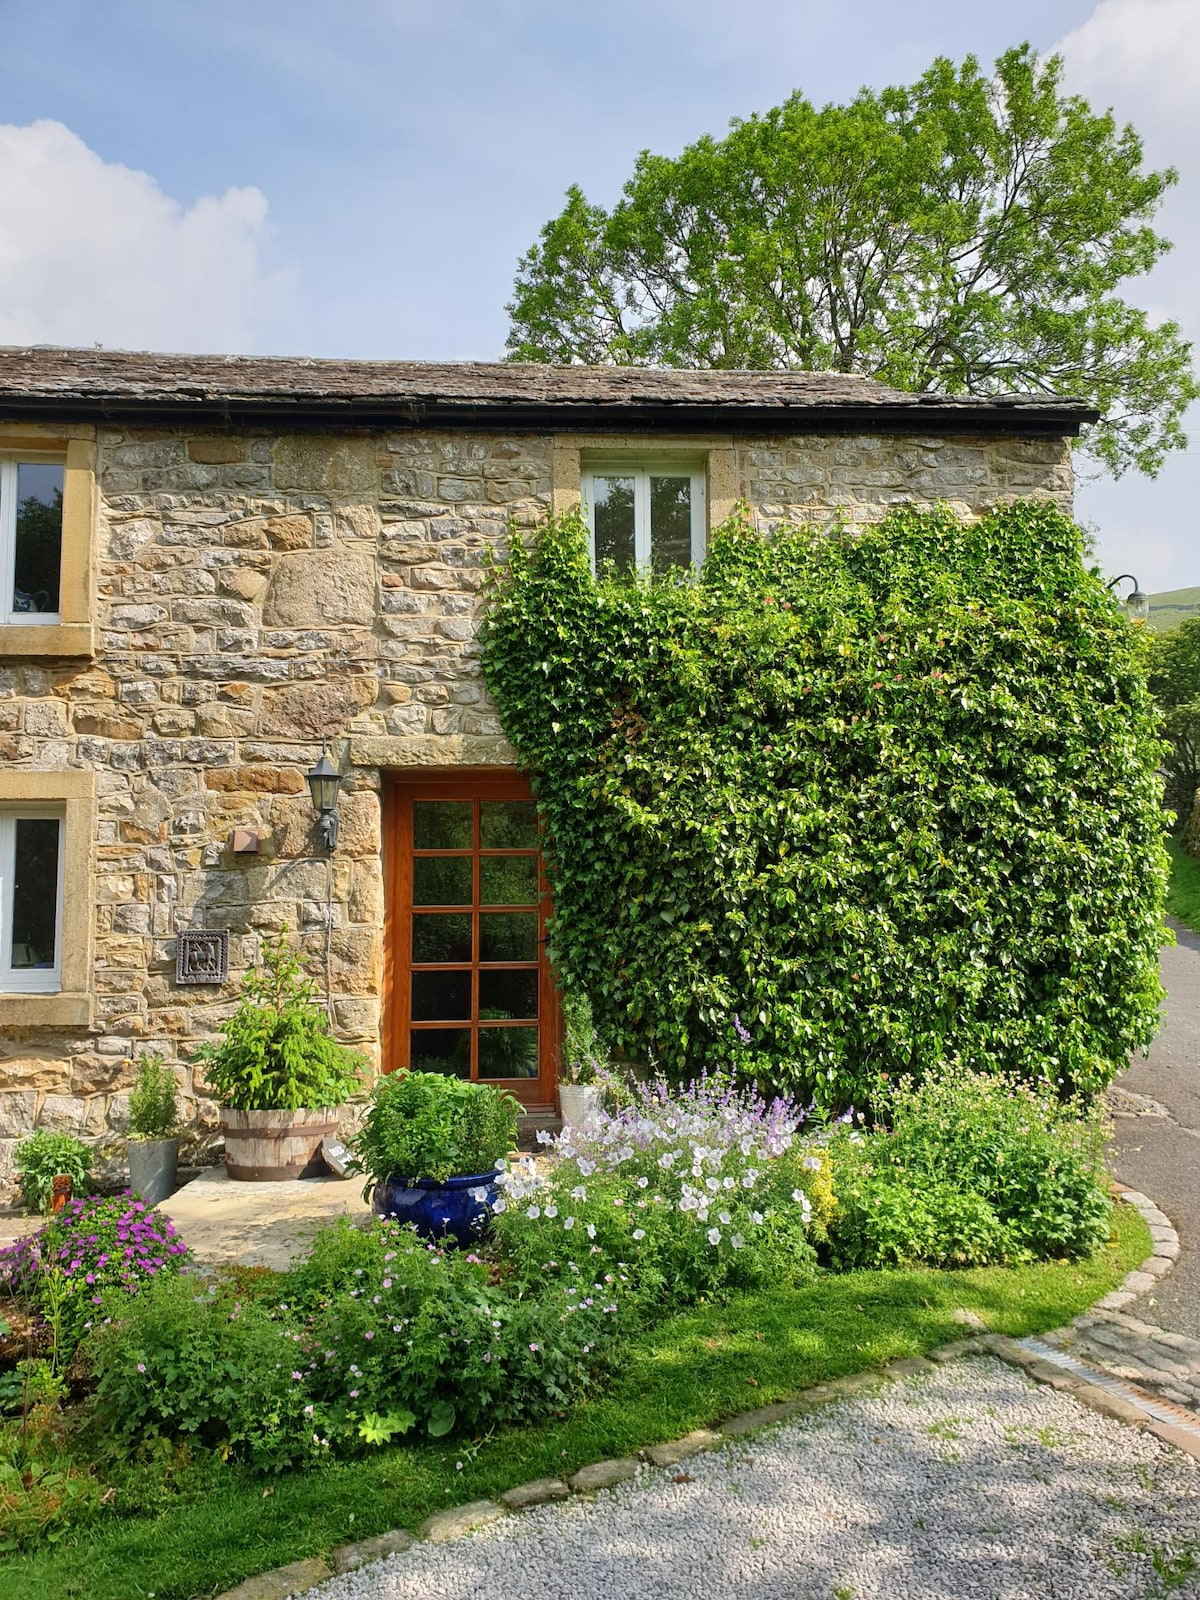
[267, 1146]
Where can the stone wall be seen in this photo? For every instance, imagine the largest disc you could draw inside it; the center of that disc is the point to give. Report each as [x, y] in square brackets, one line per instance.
[257, 594]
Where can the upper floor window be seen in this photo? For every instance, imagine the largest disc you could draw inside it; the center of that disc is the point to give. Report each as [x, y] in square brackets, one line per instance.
[31, 891]
[31, 524]
[648, 515]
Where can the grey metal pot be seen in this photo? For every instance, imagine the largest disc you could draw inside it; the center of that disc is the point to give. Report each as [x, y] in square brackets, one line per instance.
[153, 1168]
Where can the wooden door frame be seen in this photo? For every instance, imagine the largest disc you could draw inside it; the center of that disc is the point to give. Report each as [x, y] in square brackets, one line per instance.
[455, 783]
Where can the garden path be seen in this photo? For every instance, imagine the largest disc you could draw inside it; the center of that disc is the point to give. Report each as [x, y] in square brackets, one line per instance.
[258, 1224]
[1156, 1145]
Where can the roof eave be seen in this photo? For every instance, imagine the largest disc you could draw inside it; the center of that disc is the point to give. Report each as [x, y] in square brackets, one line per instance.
[308, 412]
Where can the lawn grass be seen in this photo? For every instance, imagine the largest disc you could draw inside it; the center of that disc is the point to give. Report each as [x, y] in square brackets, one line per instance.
[1183, 892]
[689, 1371]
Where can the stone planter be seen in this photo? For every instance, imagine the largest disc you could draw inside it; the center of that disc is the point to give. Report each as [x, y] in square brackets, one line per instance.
[153, 1168]
[456, 1208]
[580, 1104]
[269, 1146]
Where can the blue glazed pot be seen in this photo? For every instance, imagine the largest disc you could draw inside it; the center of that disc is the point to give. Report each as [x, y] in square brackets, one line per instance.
[453, 1209]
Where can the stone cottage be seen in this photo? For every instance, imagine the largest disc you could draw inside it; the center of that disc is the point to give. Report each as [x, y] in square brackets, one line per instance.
[211, 567]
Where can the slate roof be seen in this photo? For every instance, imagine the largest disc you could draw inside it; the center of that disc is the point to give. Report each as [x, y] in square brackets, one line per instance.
[48, 382]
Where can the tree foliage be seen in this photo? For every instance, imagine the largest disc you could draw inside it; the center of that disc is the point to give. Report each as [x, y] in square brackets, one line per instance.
[964, 235]
[1175, 684]
[878, 802]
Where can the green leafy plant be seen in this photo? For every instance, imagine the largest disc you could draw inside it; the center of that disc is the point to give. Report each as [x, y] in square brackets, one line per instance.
[45, 1156]
[584, 1056]
[276, 1052]
[153, 1100]
[970, 1168]
[427, 1125]
[889, 800]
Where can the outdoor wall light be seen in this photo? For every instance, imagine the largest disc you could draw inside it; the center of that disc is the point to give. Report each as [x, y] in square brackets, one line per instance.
[1137, 605]
[323, 782]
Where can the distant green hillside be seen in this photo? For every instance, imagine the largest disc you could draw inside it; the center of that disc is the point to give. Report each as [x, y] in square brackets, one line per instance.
[1169, 609]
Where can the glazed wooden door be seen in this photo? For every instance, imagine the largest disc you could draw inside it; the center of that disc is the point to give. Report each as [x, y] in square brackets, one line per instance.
[470, 990]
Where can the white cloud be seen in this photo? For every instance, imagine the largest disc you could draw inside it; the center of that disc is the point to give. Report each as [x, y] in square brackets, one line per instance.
[94, 253]
[1142, 58]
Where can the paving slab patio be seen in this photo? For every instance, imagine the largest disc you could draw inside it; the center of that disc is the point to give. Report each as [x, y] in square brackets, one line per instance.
[258, 1224]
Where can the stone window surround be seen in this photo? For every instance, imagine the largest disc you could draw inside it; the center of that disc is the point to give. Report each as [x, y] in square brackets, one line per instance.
[75, 791]
[570, 451]
[71, 634]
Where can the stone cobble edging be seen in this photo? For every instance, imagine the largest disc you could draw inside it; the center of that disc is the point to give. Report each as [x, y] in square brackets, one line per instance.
[1166, 1363]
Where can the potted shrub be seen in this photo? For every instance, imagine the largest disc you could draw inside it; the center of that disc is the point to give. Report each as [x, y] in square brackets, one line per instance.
[432, 1147]
[45, 1156]
[580, 1092]
[278, 1072]
[153, 1131]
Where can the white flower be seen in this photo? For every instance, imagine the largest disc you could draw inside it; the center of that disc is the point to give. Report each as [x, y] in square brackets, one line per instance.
[714, 1236]
[747, 1180]
[499, 1204]
[737, 1241]
[568, 1222]
[551, 1211]
[813, 1163]
[643, 1182]
[723, 1216]
[591, 1230]
[533, 1213]
[799, 1196]
[578, 1192]
[756, 1217]
[729, 1183]
[639, 1233]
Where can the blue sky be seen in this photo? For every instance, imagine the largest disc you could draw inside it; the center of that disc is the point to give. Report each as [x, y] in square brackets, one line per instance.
[359, 179]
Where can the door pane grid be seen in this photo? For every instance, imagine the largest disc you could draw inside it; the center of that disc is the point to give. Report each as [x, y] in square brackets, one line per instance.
[474, 939]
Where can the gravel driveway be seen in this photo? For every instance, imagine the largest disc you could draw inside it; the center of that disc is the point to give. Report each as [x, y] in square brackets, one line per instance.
[967, 1483]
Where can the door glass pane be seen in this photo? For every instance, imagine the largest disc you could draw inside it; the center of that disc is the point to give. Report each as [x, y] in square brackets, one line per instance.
[670, 523]
[508, 825]
[438, 937]
[443, 825]
[445, 1050]
[508, 880]
[508, 936]
[442, 880]
[613, 514]
[508, 1053]
[35, 892]
[441, 996]
[38, 555]
[508, 992]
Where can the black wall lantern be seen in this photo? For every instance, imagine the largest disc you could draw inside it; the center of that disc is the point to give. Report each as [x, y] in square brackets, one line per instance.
[323, 782]
[1137, 605]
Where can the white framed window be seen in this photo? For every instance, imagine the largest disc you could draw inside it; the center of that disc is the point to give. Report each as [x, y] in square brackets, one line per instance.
[645, 513]
[31, 544]
[31, 899]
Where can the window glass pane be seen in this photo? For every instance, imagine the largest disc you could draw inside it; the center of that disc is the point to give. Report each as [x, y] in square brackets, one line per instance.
[613, 514]
[441, 880]
[38, 554]
[508, 992]
[670, 523]
[445, 1050]
[441, 996]
[439, 937]
[508, 936]
[508, 825]
[508, 880]
[508, 1053]
[443, 824]
[35, 892]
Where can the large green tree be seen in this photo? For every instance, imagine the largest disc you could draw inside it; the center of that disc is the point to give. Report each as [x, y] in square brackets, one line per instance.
[966, 234]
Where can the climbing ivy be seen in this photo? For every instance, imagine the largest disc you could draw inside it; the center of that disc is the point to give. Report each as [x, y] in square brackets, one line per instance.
[844, 805]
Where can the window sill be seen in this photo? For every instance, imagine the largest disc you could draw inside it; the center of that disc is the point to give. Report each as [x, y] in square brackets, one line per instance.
[46, 639]
[46, 1010]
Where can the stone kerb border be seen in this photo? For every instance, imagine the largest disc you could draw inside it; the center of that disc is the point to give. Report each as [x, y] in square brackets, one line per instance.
[299, 1576]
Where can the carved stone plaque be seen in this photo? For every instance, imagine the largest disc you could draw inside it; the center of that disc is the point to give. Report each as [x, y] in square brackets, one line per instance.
[202, 956]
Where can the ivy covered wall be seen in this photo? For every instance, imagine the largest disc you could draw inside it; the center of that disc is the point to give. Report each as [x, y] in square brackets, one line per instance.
[878, 801]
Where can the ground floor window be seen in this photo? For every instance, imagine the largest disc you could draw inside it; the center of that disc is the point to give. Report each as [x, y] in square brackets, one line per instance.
[471, 992]
[31, 884]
